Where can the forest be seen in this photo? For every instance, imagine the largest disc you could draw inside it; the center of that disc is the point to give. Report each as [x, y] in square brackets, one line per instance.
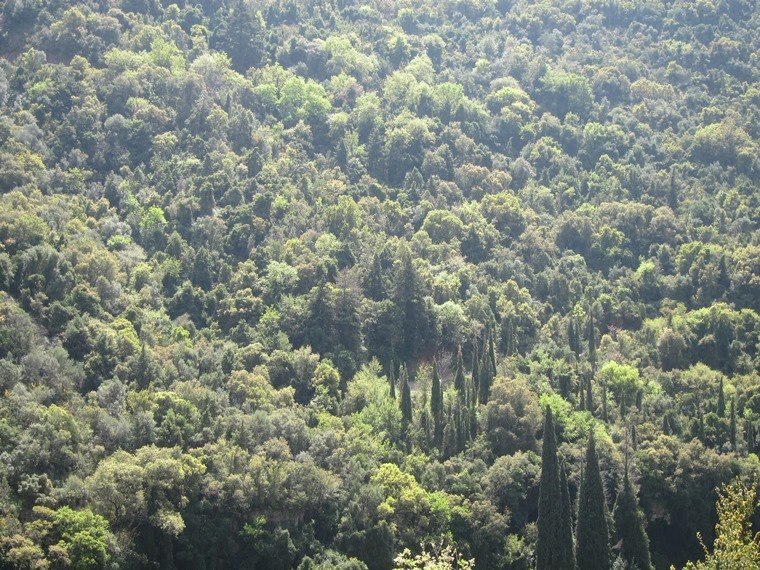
[379, 285]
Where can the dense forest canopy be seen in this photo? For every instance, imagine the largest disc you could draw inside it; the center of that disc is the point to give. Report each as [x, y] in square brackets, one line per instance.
[370, 285]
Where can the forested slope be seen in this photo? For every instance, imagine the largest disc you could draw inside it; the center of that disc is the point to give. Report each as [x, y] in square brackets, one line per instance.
[292, 283]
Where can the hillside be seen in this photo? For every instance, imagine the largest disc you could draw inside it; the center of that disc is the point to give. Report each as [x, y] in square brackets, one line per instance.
[292, 284]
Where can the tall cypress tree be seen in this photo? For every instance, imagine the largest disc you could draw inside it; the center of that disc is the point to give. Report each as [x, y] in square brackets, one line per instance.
[409, 299]
[721, 408]
[475, 373]
[436, 407]
[629, 528]
[591, 340]
[459, 382]
[732, 425]
[392, 380]
[492, 355]
[592, 535]
[567, 520]
[406, 398]
[551, 547]
[485, 375]
[573, 338]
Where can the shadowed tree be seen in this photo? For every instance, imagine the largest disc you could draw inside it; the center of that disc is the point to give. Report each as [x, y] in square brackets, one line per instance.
[592, 534]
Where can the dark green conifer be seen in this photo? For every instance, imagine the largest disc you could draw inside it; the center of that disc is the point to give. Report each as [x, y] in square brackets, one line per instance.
[582, 395]
[629, 529]
[492, 355]
[567, 520]
[392, 380]
[721, 408]
[485, 375]
[750, 430]
[459, 382]
[591, 340]
[406, 398]
[589, 397]
[449, 437]
[732, 425]
[592, 534]
[436, 407]
[665, 425]
[475, 373]
[551, 546]
[573, 338]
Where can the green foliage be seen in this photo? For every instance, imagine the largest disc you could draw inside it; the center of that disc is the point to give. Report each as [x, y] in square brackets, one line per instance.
[735, 545]
[226, 227]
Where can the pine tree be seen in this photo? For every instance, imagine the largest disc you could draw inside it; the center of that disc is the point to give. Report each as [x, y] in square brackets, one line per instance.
[592, 534]
[406, 398]
[629, 528]
[459, 382]
[436, 407]
[732, 425]
[721, 408]
[551, 547]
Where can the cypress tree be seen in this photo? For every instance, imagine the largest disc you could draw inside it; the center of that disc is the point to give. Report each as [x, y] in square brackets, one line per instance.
[634, 439]
[701, 425]
[589, 397]
[459, 383]
[604, 403]
[666, 426]
[449, 437]
[732, 425]
[374, 285]
[461, 426]
[436, 407]
[573, 338]
[392, 381]
[492, 355]
[629, 528]
[592, 534]
[582, 395]
[475, 373]
[551, 546]
[750, 436]
[406, 398]
[721, 408]
[485, 375]
[591, 340]
[567, 520]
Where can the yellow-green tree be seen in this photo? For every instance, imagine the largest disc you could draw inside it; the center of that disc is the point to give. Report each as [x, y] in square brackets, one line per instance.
[735, 547]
